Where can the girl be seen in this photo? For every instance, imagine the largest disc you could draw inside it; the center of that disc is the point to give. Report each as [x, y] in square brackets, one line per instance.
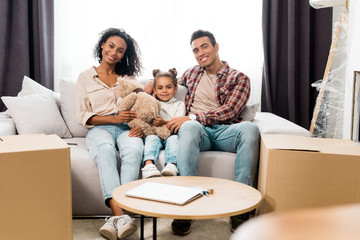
[165, 87]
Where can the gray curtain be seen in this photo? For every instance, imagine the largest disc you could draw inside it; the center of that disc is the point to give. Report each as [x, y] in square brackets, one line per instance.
[297, 41]
[26, 43]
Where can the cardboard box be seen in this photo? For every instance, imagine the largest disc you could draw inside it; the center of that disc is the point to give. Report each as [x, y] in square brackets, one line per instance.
[303, 172]
[35, 188]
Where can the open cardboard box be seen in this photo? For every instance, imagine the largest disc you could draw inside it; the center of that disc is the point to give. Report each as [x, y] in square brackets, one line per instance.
[302, 172]
[35, 188]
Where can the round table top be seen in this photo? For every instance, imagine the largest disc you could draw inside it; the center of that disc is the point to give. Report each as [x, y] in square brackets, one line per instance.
[229, 198]
[321, 223]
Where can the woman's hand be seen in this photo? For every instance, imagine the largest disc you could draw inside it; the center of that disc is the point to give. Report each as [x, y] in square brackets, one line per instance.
[136, 132]
[158, 122]
[149, 87]
[125, 116]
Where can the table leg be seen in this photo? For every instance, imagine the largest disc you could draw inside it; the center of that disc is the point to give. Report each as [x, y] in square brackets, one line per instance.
[154, 228]
[142, 227]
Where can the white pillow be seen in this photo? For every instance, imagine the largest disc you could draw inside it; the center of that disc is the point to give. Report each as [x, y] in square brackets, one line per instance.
[30, 87]
[68, 108]
[36, 113]
[270, 123]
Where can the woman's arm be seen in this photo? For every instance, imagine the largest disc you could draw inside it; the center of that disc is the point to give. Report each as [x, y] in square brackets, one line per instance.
[124, 116]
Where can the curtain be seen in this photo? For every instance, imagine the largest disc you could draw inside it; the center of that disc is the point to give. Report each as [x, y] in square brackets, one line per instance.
[26, 43]
[297, 41]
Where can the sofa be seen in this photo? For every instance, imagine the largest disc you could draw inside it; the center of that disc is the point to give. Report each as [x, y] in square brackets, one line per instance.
[37, 109]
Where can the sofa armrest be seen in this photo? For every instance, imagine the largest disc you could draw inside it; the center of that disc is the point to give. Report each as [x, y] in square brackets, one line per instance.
[270, 123]
[7, 125]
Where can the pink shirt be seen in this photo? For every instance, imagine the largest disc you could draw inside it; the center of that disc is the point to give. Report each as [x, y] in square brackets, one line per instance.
[93, 97]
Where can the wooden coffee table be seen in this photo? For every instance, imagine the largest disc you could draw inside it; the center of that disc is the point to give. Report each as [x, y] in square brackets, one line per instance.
[229, 198]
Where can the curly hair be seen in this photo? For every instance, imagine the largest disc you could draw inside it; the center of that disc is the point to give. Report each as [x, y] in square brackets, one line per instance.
[130, 64]
[201, 33]
[172, 73]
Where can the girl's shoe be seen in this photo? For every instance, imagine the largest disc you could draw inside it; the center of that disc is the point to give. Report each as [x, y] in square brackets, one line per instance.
[149, 171]
[170, 170]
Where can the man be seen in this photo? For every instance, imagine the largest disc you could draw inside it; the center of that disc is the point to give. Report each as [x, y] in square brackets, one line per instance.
[216, 96]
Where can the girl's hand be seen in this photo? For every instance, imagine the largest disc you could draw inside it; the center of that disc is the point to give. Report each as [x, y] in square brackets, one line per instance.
[136, 132]
[158, 121]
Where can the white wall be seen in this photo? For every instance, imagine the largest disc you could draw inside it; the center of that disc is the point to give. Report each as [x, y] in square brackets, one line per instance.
[162, 29]
[353, 63]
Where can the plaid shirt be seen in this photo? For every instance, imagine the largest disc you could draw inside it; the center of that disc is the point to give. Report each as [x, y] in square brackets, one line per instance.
[232, 94]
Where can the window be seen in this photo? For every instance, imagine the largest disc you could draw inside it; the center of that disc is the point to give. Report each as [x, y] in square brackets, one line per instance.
[162, 29]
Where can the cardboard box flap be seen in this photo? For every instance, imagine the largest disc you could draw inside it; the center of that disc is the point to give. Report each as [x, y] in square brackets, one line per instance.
[336, 146]
[289, 142]
[31, 142]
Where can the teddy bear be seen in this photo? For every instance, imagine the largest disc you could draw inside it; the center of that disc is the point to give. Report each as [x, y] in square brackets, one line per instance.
[134, 98]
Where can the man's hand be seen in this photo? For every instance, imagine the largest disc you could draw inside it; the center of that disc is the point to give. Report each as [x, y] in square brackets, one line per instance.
[125, 116]
[136, 132]
[174, 124]
[158, 122]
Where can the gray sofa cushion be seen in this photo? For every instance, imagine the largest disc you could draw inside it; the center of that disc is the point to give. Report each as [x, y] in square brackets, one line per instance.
[7, 125]
[87, 199]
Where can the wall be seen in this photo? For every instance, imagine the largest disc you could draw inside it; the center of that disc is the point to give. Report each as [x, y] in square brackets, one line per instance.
[353, 63]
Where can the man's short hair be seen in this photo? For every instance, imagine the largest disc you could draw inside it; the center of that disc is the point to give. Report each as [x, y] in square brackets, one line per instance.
[201, 33]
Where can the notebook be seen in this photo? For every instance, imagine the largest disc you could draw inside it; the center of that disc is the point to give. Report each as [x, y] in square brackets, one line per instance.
[165, 193]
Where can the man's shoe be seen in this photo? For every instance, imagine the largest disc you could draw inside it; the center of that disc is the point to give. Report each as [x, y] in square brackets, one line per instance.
[169, 170]
[108, 230]
[125, 226]
[236, 221]
[149, 171]
[180, 227]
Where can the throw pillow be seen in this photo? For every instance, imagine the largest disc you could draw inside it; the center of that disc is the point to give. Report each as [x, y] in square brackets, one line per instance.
[181, 93]
[68, 108]
[248, 113]
[36, 113]
[30, 87]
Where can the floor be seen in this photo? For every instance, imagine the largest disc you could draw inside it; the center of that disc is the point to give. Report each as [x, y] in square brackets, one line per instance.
[216, 229]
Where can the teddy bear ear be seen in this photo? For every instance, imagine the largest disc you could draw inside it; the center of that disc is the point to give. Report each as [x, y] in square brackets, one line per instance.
[155, 71]
[173, 71]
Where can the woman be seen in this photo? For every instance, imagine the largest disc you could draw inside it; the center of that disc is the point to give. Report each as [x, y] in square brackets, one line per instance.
[97, 94]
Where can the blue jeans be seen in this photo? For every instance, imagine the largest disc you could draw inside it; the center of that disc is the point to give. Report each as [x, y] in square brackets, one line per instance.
[153, 145]
[240, 138]
[102, 142]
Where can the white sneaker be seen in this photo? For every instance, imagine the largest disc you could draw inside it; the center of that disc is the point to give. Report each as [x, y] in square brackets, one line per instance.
[149, 171]
[118, 226]
[125, 226]
[170, 170]
[108, 230]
